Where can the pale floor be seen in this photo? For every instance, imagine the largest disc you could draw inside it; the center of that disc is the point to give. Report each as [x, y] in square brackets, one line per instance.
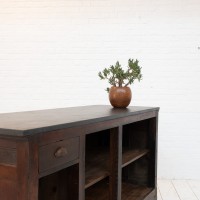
[178, 190]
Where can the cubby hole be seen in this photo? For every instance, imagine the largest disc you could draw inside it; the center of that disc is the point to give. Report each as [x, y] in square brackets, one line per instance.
[138, 163]
[61, 185]
[97, 157]
[135, 179]
[134, 141]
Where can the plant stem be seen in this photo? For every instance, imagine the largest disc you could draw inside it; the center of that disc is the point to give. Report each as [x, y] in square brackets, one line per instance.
[126, 84]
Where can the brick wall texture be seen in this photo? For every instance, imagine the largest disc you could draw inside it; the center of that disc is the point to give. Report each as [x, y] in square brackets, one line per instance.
[52, 50]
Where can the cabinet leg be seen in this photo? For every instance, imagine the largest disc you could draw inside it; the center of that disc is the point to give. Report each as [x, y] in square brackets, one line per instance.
[22, 170]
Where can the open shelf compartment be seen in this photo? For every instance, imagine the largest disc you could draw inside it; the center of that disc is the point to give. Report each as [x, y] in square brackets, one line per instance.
[134, 141]
[97, 157]
[138, 162]
[60, 185]
[96, 167]
[135, 179]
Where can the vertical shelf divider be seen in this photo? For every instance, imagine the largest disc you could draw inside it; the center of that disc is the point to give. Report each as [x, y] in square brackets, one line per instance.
[152, 134]
[115, 163]
[82, 168]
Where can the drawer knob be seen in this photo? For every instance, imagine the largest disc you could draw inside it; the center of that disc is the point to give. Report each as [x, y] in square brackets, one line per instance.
[60, 152]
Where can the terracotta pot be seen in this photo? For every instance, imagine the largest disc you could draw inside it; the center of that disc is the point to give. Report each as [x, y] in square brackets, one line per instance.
[120, 97]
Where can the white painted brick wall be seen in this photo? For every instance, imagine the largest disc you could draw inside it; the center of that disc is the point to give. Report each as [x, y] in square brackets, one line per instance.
[52, 50]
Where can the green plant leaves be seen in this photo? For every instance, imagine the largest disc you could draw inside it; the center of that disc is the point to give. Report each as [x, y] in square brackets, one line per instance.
[116, 75]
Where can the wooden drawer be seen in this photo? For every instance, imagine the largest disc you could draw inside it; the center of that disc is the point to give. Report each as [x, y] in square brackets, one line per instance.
[58, 153]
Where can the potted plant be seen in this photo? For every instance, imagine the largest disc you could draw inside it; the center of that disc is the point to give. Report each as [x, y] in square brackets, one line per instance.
[119, 79]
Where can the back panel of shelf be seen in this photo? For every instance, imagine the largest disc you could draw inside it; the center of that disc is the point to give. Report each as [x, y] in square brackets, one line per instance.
[135, 135]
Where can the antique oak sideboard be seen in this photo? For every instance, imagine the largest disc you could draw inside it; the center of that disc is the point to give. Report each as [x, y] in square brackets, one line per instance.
[79, 153]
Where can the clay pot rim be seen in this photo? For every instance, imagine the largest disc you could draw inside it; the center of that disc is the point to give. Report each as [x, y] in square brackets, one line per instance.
[120, 87]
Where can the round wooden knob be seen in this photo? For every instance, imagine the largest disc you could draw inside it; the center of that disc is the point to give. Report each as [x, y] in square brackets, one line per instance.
[60, 152]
